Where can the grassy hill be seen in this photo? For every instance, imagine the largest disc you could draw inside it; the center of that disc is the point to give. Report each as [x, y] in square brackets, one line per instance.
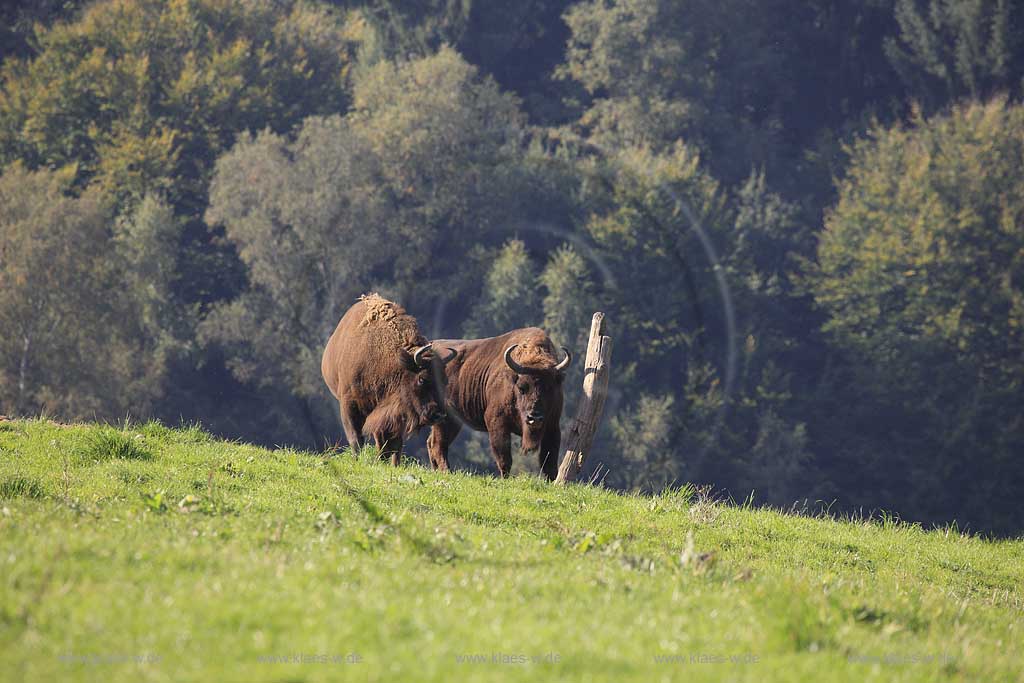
[163, 555]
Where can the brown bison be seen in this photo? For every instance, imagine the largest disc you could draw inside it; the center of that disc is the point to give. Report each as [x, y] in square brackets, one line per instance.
[384, 374]
[504, 385]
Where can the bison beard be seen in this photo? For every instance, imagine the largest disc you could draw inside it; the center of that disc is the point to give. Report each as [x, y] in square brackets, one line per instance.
[531, 438]
[511, 384]
[392, 417]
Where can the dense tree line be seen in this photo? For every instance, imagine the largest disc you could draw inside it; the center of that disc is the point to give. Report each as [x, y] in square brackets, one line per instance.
[804, 221]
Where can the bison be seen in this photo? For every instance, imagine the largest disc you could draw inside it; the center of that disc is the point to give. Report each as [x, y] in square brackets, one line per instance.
[384, 373]
[511, 384]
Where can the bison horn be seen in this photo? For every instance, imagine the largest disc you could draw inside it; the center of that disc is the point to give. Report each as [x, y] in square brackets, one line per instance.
[516, 367]
[450, 357]
[564, 363]
[523, 370]
[417, 355]
[421, 362]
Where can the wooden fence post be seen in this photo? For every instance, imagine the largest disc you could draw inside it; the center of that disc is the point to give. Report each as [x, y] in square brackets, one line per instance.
[588, 413]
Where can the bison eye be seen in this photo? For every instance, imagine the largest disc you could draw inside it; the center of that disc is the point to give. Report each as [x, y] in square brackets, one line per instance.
[523, 388]
[420, 381]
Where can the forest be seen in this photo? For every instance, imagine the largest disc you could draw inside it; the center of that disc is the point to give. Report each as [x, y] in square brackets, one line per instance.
[803, 220]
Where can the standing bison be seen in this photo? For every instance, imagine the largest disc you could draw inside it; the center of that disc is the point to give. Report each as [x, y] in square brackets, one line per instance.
[384, 374]
[504, 385]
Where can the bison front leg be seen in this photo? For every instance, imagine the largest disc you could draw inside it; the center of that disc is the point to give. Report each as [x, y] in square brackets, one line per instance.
[501, 449]
[389, 445]
[550, 444]
[441, 436]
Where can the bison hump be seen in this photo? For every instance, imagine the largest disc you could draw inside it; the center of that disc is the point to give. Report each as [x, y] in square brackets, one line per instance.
[535, 349]
[388, 323]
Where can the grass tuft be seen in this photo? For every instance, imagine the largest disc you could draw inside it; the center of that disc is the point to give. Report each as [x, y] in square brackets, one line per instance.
[191, 433]
[20, 487]
[107, 443]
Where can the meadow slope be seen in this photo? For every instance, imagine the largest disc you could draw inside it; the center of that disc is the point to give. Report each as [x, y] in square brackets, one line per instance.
[156, 554]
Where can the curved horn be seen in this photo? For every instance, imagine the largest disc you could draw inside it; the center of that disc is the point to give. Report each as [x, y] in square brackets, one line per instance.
[450, 357]
[516, 367]
[407, 360]
[564, 363]
[417, 355]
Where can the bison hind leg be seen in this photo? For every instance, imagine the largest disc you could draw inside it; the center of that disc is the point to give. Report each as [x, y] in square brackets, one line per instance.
[352, 421]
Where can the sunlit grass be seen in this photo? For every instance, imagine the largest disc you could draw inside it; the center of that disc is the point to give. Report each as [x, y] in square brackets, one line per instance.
[149, 553]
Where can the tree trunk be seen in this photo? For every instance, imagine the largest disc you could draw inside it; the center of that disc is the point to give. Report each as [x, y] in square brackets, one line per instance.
[588, 415]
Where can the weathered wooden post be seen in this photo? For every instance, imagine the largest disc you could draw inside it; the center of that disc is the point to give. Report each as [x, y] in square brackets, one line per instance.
[588, 414]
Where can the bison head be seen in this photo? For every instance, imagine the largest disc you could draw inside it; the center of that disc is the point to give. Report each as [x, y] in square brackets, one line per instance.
[423, 383]
[537, 393]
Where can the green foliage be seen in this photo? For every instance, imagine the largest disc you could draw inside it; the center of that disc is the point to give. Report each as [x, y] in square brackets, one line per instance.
[949, 50]
[777, 462]
[920, 269]
[660, 71]
[568, 302]
[767, 234]
[142, 95]
[414, 27]
[776, 85]
[510, 294]
[73, 342]
[923, 251]
[517, 43]
[296, 213]
[448, 142]
[146, 243]
[19, 18]
[139, 97]
[646, 436]
[648, 213]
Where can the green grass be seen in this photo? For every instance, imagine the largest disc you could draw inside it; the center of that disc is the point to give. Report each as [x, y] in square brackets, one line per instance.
[203, 558]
